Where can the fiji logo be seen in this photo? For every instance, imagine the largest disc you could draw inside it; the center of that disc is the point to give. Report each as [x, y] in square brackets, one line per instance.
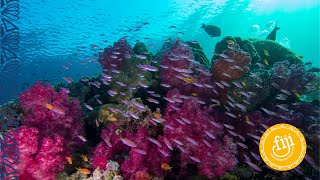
[282, 147]
[285, 148]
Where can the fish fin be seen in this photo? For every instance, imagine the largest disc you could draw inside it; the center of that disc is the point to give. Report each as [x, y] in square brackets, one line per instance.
[203, 25]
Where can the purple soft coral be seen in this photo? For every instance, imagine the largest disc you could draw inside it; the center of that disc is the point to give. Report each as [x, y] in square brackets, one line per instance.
[181, 71]
[199, 136]
[290, 77]
[113, 57]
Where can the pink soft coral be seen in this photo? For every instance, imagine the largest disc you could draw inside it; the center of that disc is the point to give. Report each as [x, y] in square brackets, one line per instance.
[66, 124]
[38, 159]
[137, 161]
[46, 137]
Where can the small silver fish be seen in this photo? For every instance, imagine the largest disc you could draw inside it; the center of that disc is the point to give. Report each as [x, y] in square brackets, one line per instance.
[99, 101]
[165, 154]
[268, 111]
[128, 142]
[228, 126]
[142, 152]
[283, 107]
[210, 135]
[286, 92]
[192, 141]
[178, 142]
[88, 106]
[237, 84]
[225, 84]
[165, 85]
[148, 68]
[168, 144]
[207, 143]
[231, 115]
[220, 85]
[141, 56]
[155, 142]
[195, 159]
[242, 145]
[65, 90]
[82, 138]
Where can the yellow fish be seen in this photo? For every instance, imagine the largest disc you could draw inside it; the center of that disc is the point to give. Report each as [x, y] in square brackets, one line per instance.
[230, 42]
[266, 52]
[296, 93]
[188, 80]
[194, 94]
[266, 62]
[243, 83]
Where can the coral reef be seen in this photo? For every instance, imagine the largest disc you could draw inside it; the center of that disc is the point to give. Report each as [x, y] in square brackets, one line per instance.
[169, 116]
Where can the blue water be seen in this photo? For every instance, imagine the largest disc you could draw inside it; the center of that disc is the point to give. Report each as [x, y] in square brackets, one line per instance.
[52, 33]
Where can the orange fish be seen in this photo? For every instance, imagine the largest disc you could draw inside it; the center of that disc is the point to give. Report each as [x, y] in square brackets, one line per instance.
[194, 94]
[157, 115]
[54, 109]
[49, 106]
[112, 118]
[84, 157]
[84, 171]
[69, 159]
[166, 167]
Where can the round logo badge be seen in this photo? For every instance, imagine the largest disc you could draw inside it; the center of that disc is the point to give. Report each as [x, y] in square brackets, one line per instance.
[282, 147]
